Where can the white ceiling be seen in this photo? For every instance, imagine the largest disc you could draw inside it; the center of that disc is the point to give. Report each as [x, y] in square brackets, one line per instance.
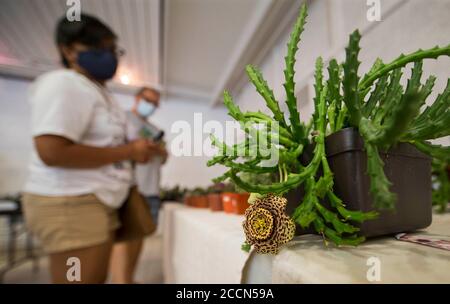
[27, 29]
[201, 36]
[185, 47]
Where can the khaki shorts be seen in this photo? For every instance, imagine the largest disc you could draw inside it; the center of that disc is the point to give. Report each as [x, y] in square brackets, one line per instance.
[66, 223]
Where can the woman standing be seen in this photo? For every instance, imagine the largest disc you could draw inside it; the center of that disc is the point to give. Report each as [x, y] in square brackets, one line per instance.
[80, 172]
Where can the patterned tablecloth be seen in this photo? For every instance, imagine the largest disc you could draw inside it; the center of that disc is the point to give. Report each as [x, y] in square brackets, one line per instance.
[381, 260]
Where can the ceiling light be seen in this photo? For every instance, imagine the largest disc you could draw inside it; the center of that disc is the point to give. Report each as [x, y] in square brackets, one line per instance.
[125, 79]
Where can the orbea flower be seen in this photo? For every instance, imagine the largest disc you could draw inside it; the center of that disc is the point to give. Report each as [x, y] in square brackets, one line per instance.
[266, 226]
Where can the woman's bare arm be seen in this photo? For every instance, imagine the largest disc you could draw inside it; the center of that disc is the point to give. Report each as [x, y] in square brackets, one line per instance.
[57, 151]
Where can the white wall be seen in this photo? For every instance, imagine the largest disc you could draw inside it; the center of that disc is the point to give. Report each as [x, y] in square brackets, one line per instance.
[16, 144]
[187, 171]
[15, 139]
[405, 26]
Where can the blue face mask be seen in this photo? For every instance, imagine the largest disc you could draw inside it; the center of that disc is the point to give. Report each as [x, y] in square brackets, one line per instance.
[100, 64]
[145, 109]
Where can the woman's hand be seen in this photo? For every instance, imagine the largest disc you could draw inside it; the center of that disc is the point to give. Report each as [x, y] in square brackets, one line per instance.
[141, 150]
[162, 152]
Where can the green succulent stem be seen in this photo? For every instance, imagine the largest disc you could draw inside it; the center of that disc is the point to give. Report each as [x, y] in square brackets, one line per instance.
[401, 61]
[263, 89]
[298, 129]
[351, 79]
[377, 105]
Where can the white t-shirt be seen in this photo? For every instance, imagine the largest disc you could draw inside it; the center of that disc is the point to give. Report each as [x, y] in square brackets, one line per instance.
[68, 104]
[147, 176]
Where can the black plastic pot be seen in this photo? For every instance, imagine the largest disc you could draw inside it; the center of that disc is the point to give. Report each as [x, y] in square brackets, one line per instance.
[408, 169]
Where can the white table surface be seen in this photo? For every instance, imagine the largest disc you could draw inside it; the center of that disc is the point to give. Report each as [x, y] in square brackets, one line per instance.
[200, 246]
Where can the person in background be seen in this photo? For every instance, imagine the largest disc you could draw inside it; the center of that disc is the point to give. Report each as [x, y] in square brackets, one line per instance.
[147, 176]
[80, 173]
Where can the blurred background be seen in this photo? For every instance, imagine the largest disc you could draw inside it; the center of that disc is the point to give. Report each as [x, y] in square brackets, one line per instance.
[192, 50]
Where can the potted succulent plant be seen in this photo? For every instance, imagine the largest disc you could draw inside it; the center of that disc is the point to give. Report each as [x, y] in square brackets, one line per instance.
[187, 198]
[199, 198]
[362, 164]
[234, 199]
[228, 196]
[196, 198]
[174, 194]
[215, 197]
[240, 204]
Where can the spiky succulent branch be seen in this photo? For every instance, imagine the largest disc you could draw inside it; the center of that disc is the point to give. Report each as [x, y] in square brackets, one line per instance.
[441, 184]
[297, 128]
[391, 113]
[336, 113]
[377, 104]
[334, 225]
[400, 62]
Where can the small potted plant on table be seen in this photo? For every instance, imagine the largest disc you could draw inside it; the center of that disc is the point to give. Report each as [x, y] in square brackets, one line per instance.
[215, 197]
[229, 195]
[174, 194]
[196, 198]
